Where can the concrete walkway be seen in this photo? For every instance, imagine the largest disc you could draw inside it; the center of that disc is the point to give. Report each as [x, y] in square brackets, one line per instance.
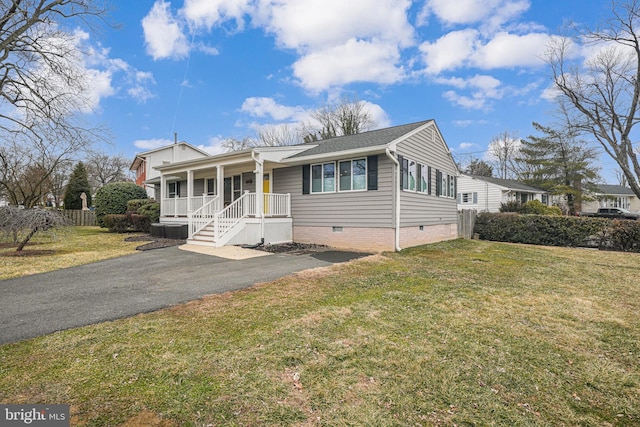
[147, 281]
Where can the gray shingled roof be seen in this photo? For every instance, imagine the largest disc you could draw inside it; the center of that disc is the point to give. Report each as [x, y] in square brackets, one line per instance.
[615, 190]
[508, 183]
[374, 138]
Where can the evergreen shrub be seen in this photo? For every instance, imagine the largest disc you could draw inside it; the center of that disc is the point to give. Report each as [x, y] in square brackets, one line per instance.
[113, 198]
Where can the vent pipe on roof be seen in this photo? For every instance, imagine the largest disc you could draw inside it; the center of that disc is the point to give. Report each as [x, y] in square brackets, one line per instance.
[175, 137]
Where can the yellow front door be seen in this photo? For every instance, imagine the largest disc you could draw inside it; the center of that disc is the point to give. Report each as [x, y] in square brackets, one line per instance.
[266, 189]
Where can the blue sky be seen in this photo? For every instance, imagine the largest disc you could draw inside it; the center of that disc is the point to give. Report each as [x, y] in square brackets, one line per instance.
[213, 69]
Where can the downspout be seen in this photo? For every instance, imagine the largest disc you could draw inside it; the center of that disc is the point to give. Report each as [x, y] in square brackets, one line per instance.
[396, 193]
[259, 200]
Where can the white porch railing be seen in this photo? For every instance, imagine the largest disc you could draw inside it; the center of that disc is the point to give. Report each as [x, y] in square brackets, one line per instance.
[177, 206]
[202, 216]
[232, 214]
[245, 206]
[277, 204]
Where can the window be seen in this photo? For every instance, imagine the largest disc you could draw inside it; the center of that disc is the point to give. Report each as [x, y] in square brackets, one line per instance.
[412, 175]
[445, 184]
[232, 189]
[424, 179]
[210, 188]
[343, 175]
[405, 174]
[468, 198]
[174, 190]
[353, 175]
[323, 178]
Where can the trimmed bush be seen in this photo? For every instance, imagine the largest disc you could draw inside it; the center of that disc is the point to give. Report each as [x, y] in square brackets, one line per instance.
[541, 229]
[623, 235]
[151, 209]
[140, 222]
[135, 204]
[113, 198]
[535, 207]
[116, 223]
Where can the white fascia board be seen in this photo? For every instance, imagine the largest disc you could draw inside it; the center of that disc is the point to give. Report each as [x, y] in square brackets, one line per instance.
[346, 154]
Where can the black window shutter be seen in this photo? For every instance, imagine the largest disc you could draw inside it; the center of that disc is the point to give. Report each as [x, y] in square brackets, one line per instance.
[306, 179]
[438, 182]
[419, 178]
[429, 179]
[400, 159]
[372, 173]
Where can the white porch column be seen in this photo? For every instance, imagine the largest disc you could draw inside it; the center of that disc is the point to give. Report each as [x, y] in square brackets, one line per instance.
[163, 191]
[189, 191]
[259, 188]
[220, 185]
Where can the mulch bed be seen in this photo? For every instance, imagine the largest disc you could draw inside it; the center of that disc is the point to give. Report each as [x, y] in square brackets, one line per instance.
[293, 248]
[154, 242]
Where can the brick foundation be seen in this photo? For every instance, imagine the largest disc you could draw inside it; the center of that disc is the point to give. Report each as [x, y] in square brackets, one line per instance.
[373, 239]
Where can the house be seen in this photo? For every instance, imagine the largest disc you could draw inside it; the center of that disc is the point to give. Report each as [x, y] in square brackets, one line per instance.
[144, 164]
[385, 189]
[612, 196]
[486, 194]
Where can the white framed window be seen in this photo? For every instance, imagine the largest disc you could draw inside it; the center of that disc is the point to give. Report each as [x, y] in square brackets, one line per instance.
[210, 187]
[424, 179]
[352, 175]
[412, 175]
[174, 189]
[323, 178]
[445, 184]
[468, 198]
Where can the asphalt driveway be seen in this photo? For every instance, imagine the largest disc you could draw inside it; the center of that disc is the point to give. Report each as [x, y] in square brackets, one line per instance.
[121, 287]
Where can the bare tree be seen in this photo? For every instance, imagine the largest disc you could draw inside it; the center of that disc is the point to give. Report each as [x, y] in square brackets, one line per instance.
[621, 178]
[103, 169]
[43, 91]
[348, 117]
[504, 149]
[232, 144]
[278, 135]
[28, 222]
[604, 91]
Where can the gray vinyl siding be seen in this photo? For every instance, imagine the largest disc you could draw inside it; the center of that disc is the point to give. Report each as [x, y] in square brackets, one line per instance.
[426, 147]
[370, 208]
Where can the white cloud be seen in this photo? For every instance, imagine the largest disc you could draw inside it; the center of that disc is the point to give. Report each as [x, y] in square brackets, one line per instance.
[208, 13]
[450, 51]
[263, 107]
[319, 24]
[163, 34]
[354, 61]
[491, 12]
[150, 144]
[465, 48]
[466, 145]
[511, 50]
[214, 145]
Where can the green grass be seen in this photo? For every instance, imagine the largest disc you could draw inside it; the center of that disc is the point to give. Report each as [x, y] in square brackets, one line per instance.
[459, 333]
[64, 248]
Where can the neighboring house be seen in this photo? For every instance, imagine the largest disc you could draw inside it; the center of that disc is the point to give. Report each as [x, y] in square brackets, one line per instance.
[380, 190]
[612, 196]
[144, 164]
[486, 194]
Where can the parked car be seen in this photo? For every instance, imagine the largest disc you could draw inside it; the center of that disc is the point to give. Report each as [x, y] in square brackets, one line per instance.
[613, 213]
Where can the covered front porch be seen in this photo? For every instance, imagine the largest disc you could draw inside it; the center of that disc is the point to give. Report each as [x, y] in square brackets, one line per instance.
[225, 199]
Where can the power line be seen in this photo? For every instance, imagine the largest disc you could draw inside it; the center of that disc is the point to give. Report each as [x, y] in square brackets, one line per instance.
[184, 79]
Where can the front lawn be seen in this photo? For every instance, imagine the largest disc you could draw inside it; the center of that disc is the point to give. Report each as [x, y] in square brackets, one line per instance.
[63, 248]
[465, 333]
